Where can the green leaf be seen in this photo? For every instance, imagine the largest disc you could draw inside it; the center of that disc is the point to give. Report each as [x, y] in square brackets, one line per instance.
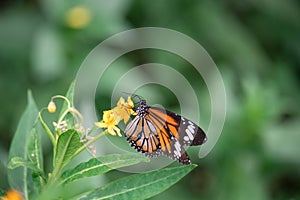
[101, 165]
[36, 159]
[140, 186]
[18, 177]
[33, 161]
[17, 162]
[34, 149]
[67, 145]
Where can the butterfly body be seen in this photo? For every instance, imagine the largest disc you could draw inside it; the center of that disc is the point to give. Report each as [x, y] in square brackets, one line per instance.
[155, 131]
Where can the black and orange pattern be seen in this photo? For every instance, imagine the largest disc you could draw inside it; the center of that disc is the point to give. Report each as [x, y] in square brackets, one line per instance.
[155, 131]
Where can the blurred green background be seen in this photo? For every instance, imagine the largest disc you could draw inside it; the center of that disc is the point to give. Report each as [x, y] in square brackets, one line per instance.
[255, 45]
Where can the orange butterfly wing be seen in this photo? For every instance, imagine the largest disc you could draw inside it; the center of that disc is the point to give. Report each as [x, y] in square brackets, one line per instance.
[155, 131]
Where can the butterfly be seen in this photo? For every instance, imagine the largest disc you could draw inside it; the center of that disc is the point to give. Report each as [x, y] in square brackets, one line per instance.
[155, 131]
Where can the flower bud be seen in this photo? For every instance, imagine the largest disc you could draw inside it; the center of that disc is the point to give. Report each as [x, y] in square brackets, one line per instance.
[51, 107]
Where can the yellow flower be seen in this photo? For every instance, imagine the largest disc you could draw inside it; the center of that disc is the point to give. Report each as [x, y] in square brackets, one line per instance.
[109, 122]
[78, 17]
[111, 118]
[124, 109]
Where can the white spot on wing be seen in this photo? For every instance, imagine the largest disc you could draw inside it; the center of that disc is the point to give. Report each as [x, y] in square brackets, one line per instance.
[178, 149]
[186, 138]
[190, 135]
[177, 146]
[191, 128]
[177, 154]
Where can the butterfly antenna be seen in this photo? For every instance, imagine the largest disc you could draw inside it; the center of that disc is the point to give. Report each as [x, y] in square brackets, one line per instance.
[134, 95]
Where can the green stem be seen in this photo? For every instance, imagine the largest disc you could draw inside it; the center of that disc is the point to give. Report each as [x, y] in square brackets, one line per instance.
[66, 111]
[65, 98]
[77, 115]
[79, 150]
[53, 175]
[48, 131]
[63, 116]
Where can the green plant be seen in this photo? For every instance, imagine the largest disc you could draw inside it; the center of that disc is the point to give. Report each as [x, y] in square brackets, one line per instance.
[26, 171]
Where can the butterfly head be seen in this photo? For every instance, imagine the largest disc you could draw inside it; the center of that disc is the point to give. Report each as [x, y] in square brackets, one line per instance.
[142, 107]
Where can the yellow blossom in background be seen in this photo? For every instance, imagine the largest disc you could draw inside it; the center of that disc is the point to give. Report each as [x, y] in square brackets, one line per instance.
[109, 122]
[78, 17]
[12, 195]
[124, 109]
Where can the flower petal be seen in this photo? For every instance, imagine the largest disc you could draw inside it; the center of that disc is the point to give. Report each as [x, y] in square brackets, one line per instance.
[111, 131]
[126, 118]
[121, 101]
[130, 102]
[118, 131]
[101, 124]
